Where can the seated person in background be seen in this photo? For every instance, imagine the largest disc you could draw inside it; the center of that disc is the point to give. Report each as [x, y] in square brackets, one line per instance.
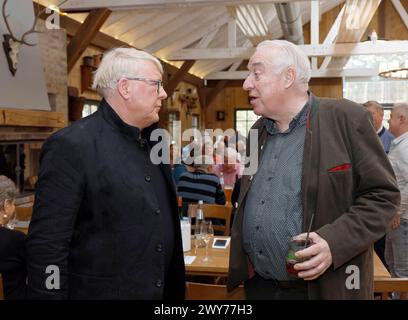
[12, 253]
[201, 184]
[177, 168]
[231, 169]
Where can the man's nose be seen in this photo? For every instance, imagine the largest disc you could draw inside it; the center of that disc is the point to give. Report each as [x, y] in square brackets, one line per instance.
[247, 84]
[162, 93]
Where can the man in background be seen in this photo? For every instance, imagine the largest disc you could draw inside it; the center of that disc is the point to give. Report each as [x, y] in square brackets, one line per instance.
[396, 249]
[377, 112]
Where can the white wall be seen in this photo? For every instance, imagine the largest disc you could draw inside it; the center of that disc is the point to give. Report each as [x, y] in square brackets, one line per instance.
[27, 89]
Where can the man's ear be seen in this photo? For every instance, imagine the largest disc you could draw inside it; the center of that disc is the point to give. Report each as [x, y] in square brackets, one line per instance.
[7, 203]
[290, 76]
[123, 88]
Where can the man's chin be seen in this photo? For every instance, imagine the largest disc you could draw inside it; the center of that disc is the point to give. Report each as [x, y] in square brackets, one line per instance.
[257, 110]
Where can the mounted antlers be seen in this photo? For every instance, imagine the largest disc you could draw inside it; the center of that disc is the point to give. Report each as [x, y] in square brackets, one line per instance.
[12, 44]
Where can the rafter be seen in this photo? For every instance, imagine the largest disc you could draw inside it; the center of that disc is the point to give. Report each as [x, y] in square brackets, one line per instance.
[170, 30]
[75, 5]
[327, 73]
[195, 34]
[321, 50]
[401, 11]
[331, 36]
[85, 34]
[357, 16]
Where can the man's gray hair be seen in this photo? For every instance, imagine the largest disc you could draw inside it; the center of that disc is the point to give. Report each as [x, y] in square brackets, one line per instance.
[7, 190]
[402, 109]
[374, 104]
[118, 63]
[291, 55]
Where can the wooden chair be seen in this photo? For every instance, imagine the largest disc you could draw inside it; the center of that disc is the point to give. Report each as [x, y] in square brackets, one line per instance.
[384, 286]
[215, 211]
[204, 291]
[1, 288]
[24, 213]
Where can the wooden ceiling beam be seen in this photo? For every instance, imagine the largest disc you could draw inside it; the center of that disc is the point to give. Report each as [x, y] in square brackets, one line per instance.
[84, 35]
[75, 5]
[177, 77]
[106, 42]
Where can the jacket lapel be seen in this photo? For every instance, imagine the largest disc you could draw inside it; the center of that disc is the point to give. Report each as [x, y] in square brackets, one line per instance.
[311, 162]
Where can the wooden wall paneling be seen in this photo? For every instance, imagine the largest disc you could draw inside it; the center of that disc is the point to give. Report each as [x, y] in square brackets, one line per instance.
[327, 87]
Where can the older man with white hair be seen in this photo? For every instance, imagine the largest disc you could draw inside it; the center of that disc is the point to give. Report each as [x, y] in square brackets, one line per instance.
[321, 168]
[105, 217]
[396, 249]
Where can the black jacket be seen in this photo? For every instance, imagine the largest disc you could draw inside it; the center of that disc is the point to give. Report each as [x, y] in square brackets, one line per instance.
[96, 216]
[13, 264]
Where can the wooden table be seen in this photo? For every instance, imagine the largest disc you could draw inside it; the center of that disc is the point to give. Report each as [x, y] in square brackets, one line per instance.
[216, 266]
[219, 263]
[380, 271]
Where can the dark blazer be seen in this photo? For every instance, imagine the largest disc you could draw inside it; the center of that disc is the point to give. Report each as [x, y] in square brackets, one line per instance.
[348, 182]
[13, 264]
[96, 216]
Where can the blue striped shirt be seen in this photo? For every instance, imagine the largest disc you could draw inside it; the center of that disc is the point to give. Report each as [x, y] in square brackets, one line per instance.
[199, 185]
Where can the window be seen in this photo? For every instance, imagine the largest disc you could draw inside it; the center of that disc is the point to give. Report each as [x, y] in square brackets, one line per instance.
[383, 90]
[244, 120]
[90, 106]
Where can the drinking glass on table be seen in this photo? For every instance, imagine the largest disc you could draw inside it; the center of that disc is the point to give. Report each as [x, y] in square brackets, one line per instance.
[207, 235]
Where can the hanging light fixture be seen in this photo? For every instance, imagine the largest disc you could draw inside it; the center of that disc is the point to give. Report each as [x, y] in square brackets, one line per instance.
[394, 70]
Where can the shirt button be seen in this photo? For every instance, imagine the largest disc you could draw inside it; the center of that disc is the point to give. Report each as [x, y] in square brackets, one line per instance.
[262, 201]
[159, 283]
[250, 178]
[159, 248]
[260, 252]
[261, 147]
[148, 178]
[257, 227]
[157, 211]
[269, 178]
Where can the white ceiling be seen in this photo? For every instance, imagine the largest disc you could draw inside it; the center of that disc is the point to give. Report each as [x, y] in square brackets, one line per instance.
[165, 29]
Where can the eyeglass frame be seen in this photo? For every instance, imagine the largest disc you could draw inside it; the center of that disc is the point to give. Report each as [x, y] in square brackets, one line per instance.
[158, 83]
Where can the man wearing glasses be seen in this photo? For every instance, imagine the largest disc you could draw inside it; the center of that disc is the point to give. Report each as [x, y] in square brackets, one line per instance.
[104, 216]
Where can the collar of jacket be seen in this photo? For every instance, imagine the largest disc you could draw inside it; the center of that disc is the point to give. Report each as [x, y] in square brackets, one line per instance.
[115, 121]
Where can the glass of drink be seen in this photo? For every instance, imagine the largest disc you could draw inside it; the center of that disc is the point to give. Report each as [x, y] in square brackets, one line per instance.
[207, 235]
[294, 246]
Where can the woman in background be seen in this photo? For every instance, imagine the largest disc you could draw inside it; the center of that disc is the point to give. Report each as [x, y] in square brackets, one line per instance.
[12, 252]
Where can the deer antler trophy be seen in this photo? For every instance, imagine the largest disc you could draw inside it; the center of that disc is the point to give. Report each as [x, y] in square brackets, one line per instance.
[12, 44]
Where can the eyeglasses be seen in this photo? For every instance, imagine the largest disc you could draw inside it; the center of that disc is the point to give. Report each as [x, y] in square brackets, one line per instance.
[157, 83]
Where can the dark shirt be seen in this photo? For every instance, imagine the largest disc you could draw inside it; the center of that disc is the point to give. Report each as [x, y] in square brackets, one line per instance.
[13, 263]
[273, 210]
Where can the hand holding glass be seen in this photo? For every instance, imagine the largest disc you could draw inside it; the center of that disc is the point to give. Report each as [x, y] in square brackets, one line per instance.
[294, 246]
